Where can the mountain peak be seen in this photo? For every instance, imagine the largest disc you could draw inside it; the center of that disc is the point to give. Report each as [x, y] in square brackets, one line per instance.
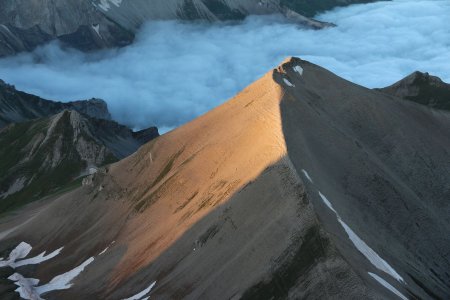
[302, 181]
[18, 106]
[422, 88]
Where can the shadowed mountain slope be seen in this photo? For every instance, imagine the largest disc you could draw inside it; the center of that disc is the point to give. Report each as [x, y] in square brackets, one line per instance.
[311, 8]
[304, 186]
[422, 88]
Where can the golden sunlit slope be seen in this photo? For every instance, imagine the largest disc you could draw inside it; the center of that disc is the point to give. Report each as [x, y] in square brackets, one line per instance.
[234, 204]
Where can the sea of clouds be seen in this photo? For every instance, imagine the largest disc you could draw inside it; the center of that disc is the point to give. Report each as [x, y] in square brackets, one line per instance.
[176, 71]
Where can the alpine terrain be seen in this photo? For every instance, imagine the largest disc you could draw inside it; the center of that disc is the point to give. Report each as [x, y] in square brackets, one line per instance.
[303, 186]
[96, 24]
[46, 145]
[422, 88]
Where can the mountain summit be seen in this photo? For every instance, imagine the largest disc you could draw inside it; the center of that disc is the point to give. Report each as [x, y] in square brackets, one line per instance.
[422, 88]
[304, 185]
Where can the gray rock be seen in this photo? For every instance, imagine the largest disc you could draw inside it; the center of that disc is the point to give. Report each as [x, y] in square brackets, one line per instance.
[96, 24]
[17, 106]
[422, 88]
[44, 145]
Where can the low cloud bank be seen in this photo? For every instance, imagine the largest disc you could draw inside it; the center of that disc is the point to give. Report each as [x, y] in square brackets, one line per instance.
[176, 71]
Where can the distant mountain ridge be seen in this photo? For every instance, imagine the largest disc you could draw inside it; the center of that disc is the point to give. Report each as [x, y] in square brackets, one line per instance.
[422, 88]
[310, 8]
[44, 145]
[96, 24]
[17, 106]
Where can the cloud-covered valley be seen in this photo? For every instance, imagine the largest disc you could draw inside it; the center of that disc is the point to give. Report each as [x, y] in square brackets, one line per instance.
[177, 71]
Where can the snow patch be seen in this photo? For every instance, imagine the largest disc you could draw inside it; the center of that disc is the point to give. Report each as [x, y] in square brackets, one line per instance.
[299, 70]
[21, 251]
[388, 286]
[96, 28]
[38, 259]
[25, 286]
[288, 83]
[28, 289]
[140, 295]
[63, 281]
[6, 28]
[106, 4]
[328, 203]
[307, 175]
[17, 186]
[104, 250]
[369, 253]
[362, 247]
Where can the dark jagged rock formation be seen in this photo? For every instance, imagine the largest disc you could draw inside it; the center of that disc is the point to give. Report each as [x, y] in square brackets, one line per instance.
[41, 156]
[146, 135]
[422, 88]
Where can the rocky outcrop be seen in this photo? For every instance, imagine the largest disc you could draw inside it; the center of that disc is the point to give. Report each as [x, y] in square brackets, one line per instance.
[26, 24]
[17, 106]
[96, 24]
[422, 88]
[45, 145]
[43, 155]
[132, 14]
[146, 135]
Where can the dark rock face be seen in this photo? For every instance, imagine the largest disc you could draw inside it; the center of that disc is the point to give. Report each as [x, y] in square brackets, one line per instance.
[14, 39]
[17, 106]
[40, 156]
[382, 164]
[7, 287]
[422, 88]
[311, 8]
[146, 135]
[45, 145]
[95, 108]
[27, 24]
[90, 25]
